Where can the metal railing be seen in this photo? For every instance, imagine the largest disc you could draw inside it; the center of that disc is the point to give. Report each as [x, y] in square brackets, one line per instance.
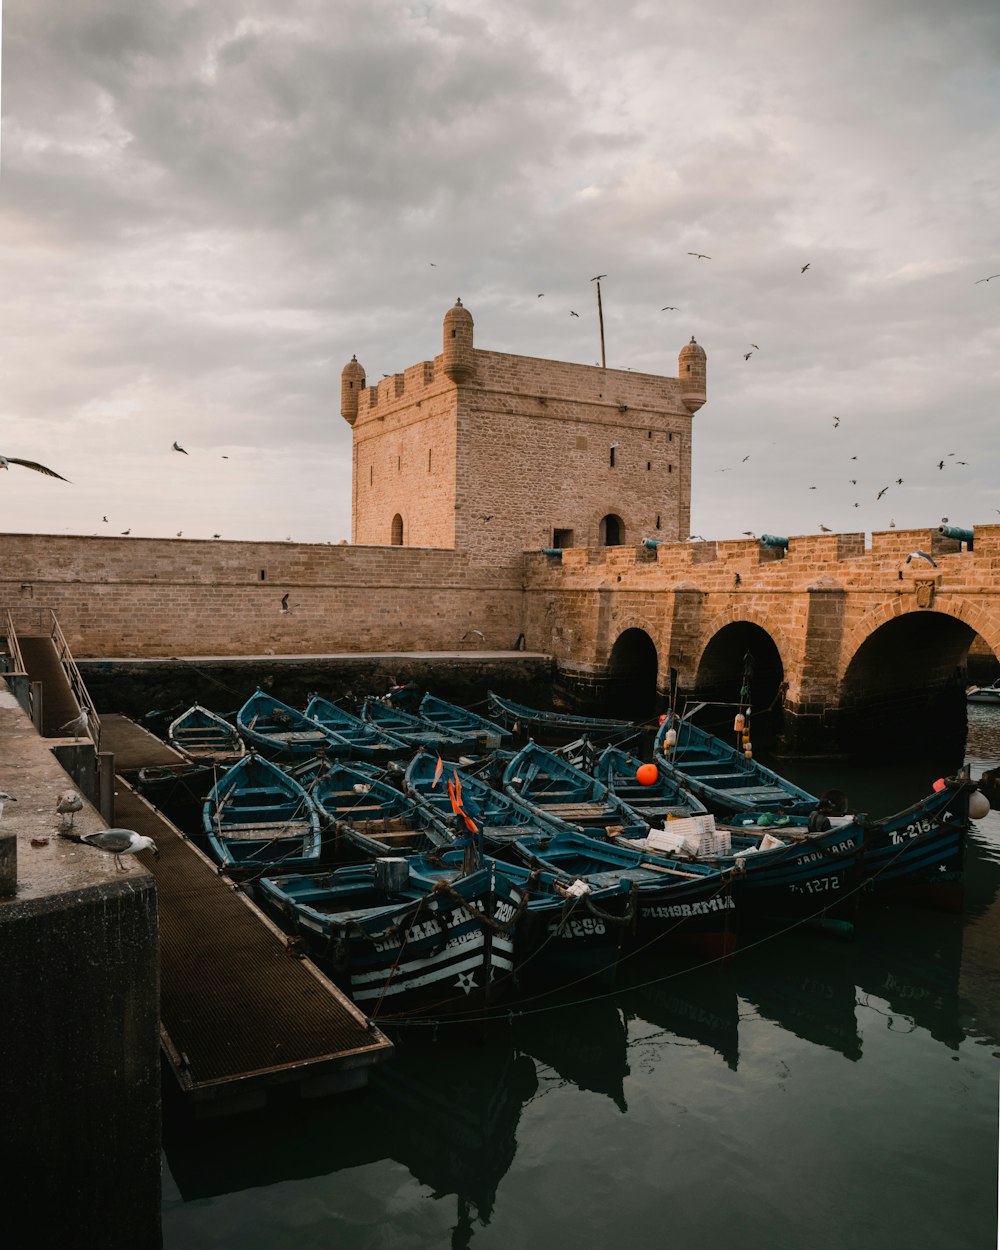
[75, 679]
[15, 673]
[13, 646]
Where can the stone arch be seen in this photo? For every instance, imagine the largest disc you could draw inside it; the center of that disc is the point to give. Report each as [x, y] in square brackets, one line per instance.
[971, 615]
[633, 669]
[611, 531]
[719, 667]
[396, 531]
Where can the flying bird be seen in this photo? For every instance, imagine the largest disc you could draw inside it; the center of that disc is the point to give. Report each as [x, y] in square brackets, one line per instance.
[755, 347]
[899, 481]
[699, 255]
[989, 279]
[541, 295]
[432, 265]
[749, 534]
[853, 481]
[670, 308]
[216, 535]
[573, 314]
[284, 602]
[697, 538]
[747, 355]
[812, 487]
[119, 842]
[745, 458]
[836, 422]
[961, 462]
[881, 493]
[104, 519]
[921, 555]
[7, 461]
[599, 276]
[178, 447]
[940, 464]
[68, 804]
[804, 267]
[488, 518]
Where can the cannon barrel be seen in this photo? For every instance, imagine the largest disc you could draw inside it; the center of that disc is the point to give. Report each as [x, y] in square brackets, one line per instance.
[773, 540]
[953, 531]
[652, 543]
[553, 551]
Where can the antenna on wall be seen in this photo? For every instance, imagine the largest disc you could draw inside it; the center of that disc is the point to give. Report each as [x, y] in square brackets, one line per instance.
[600, 316]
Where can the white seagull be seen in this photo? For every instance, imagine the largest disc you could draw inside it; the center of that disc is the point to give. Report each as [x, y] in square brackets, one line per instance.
[79, 724]
[68, 804]
[119, 842]
[7, 461]
[921, 555]
[5, 798]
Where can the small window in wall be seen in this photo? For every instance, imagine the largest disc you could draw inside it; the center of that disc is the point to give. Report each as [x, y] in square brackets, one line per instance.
[657, 520]
[670, 468]
[649, 465]
[371, 474]
[562, 538]
[670, 436]
[399, 463]
[397, 531]
[429, 453]
[611, 531]
[263, 575]
[613, 457]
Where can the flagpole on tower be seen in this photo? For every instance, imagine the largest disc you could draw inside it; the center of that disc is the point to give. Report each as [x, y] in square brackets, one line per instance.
[600, 316]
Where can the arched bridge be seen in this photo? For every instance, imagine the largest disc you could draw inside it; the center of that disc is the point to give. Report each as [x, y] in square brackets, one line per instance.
[854, 643]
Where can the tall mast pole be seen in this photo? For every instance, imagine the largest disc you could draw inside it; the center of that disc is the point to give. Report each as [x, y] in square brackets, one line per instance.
[600, 316]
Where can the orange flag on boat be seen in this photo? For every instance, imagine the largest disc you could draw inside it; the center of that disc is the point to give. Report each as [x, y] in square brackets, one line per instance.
[437, 772]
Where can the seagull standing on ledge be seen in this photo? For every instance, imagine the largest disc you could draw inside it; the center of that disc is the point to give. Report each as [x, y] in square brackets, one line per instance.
[79, 724]
[923, 556]
[119, 842]
[68, 804]
[7, 461]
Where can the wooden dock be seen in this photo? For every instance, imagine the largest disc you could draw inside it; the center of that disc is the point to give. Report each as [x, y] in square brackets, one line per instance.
[240, 1011]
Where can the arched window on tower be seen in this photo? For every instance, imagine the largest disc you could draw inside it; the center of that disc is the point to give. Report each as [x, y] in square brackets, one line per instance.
[611, 531]
[397, 531]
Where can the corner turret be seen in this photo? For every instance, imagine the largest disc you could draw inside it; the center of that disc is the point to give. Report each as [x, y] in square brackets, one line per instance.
[459, 360]
[691, 371]
[352, 383]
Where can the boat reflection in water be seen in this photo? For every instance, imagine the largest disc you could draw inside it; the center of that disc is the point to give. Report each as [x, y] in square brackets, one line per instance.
[583, 1043]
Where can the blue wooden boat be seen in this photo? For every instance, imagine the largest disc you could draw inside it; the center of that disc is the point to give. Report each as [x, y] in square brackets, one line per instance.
[500, 818]
[561, 937]
[664, 800]
[368, 742]
[353, 799]
[257, 819]
[282, 732]
[722, 777]
[204, 737]
[692, 903]
[415, 730]
[406, 936]
[557, 728]
[567, 797]
[486, 734]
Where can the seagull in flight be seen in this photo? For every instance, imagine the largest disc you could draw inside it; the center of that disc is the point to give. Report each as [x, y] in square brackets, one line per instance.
[599, 277]
[747, 355]
[755, 347]
[178, 447]
[804, 267]
[922, 555]
[7, 461]
[119, 842]
[940, 464]
[836, 422]
[881, 493]
[284, 602]
[989, 279]
[670, 308]
[573, 314]
[699, 255]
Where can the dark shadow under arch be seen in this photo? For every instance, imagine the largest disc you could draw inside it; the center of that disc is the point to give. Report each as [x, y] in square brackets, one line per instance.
[397, 531]
[740, 651]
[632, 672]
[611, 531]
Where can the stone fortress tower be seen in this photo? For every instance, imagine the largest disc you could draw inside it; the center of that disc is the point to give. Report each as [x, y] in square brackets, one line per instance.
[493, 453]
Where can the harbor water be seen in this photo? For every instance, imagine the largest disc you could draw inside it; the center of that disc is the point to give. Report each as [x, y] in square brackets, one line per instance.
[813, 1092]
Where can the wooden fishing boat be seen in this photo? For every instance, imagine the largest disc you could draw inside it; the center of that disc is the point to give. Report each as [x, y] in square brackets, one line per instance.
[487, 735]
[368, 742]
[557, 728]
[352, 799]
[562, 936]
[562, 795]
[918, 854]
[257, 819]
[282, 732]
[692, 903]
[500, 818]
[406, 936]
[722, 777]
[416, 731]
[204, 737]
[664, 800]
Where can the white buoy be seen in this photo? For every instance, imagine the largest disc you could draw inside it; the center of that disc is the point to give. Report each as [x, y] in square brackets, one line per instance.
[979, 805]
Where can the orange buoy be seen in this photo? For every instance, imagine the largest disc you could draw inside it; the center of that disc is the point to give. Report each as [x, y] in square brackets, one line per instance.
[663, 717]
[647, 774]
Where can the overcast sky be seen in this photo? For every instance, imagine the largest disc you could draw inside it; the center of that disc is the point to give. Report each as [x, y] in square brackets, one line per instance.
[206, 209]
